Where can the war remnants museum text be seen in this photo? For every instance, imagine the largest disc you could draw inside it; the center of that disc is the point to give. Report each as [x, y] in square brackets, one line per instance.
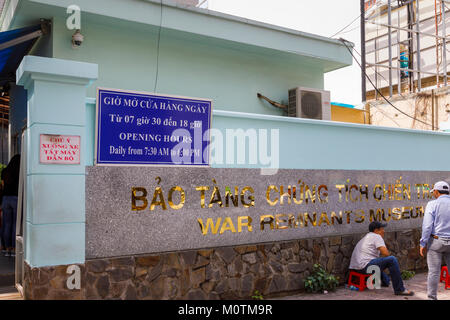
[287, 197]
[194, 208]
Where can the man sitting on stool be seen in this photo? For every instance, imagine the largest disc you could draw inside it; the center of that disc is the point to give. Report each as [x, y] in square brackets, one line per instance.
[367, 252]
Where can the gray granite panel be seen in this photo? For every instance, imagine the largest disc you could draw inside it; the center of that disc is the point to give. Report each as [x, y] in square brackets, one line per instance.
[113, 229]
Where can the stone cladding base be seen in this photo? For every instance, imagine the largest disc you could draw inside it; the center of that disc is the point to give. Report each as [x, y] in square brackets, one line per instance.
[274, 269]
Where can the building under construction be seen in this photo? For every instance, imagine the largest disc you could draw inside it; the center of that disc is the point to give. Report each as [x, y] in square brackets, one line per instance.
[406, 57]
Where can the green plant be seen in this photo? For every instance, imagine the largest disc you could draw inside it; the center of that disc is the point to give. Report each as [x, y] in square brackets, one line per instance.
[320, 280]
[257, 295]
[406, 275]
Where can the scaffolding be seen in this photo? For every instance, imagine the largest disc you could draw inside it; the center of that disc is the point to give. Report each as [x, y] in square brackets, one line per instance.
[404, 46]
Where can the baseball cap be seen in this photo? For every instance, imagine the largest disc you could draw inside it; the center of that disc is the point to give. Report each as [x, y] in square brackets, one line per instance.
[441, 186]
[376, 225]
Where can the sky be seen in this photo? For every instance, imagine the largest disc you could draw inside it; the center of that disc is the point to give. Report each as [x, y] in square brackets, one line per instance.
[324, 17]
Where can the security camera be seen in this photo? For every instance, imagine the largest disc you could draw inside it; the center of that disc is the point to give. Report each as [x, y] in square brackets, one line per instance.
[77, 39]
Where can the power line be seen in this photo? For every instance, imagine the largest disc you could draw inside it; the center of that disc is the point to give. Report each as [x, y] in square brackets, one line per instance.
[358, 17]
[200, 4]
[379, 92]
[404, 98]
[343, 32]
[387, 116]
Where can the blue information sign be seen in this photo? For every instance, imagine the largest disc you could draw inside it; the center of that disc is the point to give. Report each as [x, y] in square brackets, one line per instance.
[136, 128]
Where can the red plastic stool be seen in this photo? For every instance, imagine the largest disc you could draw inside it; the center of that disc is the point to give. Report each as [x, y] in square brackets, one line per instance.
[360, 278]
[445, 277]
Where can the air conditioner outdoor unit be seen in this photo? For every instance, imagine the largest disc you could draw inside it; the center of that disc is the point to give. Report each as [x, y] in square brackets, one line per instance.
[309, 103]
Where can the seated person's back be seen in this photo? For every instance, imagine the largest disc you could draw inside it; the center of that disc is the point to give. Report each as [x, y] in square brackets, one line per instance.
[371, 250]
[366, 250]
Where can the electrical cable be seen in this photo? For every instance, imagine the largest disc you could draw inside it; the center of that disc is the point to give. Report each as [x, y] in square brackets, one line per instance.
[379, 92]
[200, 4]
[158, 46]
[378, 73]
[387, 116]
[340, 31]
[404, 98]
[343, 32]
[400, 94]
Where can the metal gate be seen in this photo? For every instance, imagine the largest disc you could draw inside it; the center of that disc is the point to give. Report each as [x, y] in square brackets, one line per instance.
[21, 209]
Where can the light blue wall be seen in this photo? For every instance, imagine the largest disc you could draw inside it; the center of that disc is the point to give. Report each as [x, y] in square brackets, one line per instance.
[55, 212]
[43, 46]
[229, 74]
[226, 60]
[331, 54]
[315, 144]
[127, 59]
[201, 53]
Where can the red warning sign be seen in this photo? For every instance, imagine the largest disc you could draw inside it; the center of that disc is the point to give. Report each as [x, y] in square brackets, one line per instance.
[59, 149]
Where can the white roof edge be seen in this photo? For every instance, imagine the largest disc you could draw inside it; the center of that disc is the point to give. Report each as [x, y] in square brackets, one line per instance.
[211, 13]
[290, 39]
[172, 3]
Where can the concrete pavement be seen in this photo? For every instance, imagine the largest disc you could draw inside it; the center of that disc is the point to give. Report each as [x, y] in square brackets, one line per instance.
[418, 284]
[11, 296]
[7, 271]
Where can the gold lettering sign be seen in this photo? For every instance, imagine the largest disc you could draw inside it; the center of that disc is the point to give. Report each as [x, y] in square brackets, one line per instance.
[289, 196]
[135, 197]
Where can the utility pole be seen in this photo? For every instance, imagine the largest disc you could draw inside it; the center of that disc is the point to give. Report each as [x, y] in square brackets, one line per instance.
[363, 50]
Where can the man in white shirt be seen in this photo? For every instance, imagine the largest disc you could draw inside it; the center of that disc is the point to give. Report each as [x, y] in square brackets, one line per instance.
[367, 252]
